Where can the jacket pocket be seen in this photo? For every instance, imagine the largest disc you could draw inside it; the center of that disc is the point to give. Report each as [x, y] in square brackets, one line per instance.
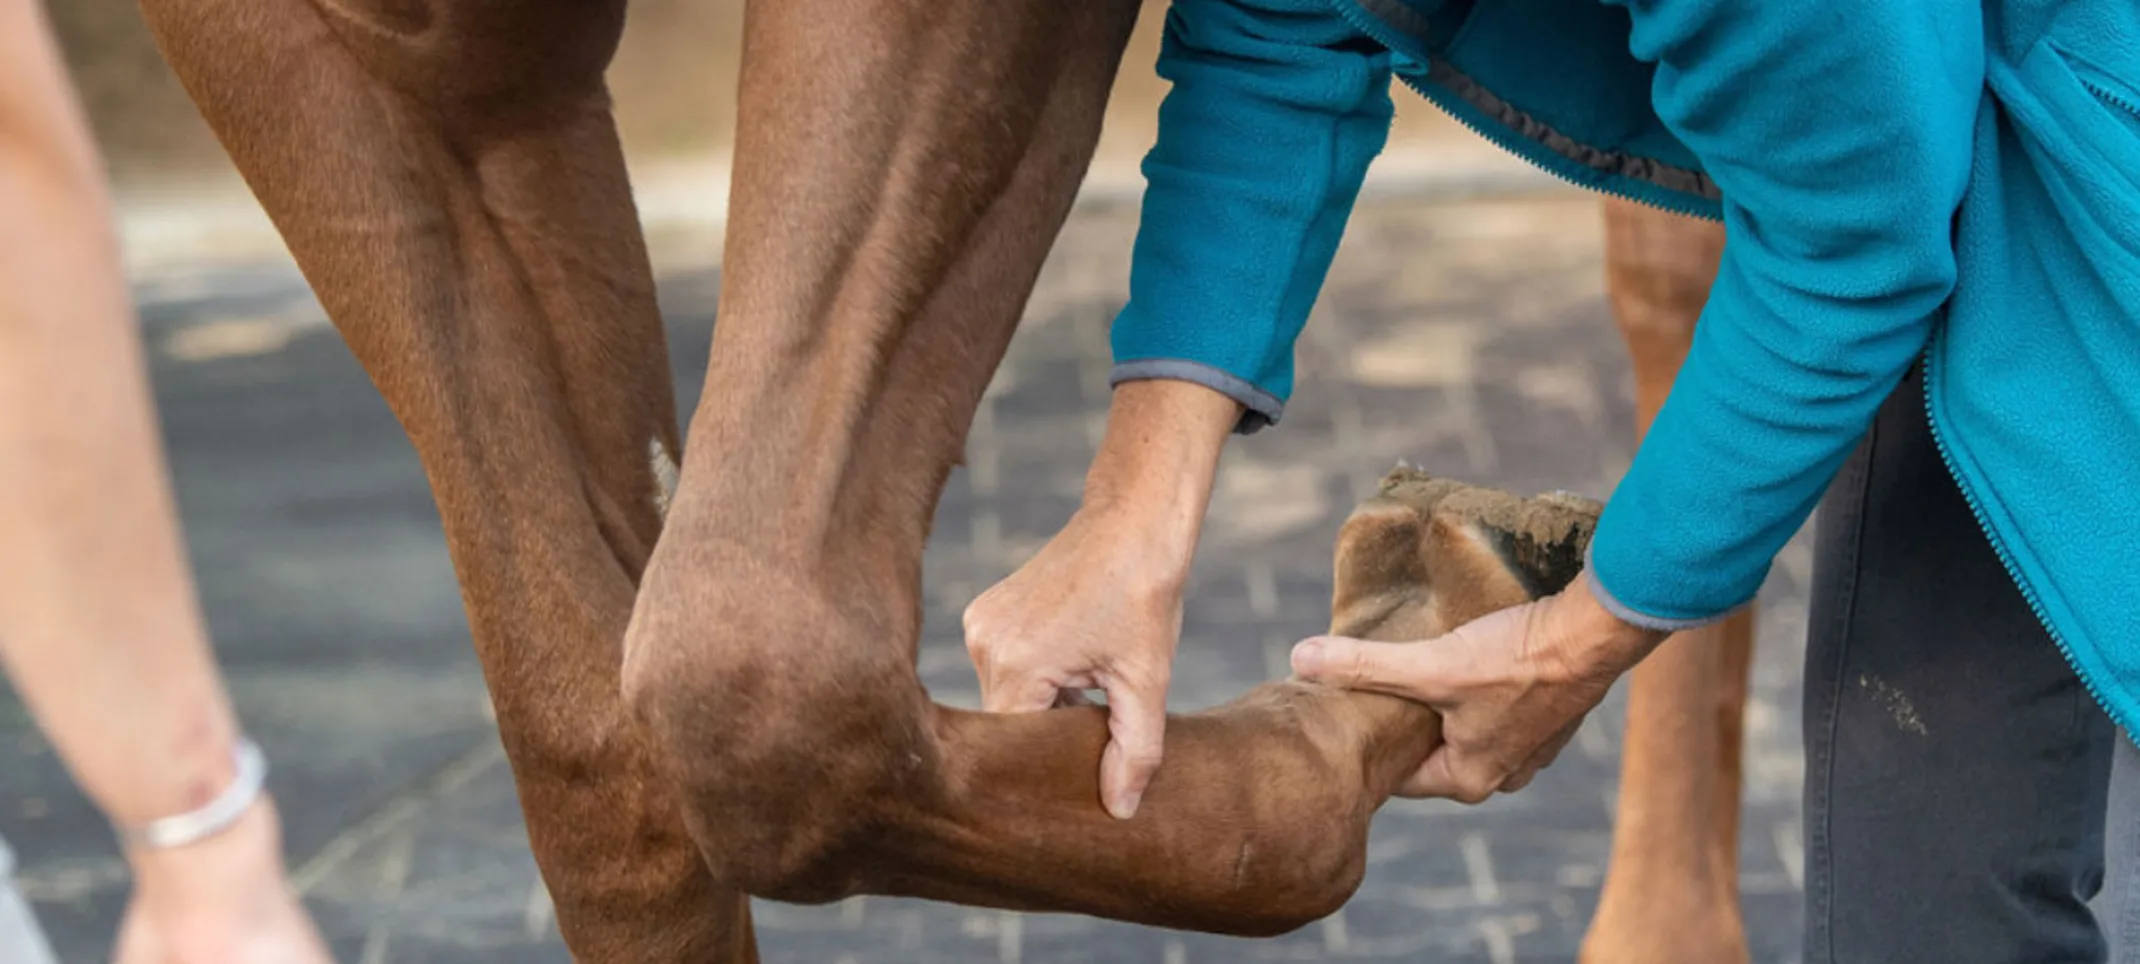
[2112, 86]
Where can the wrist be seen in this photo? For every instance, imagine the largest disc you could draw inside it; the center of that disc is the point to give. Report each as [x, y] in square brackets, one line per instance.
[1606, 640]
[250, 847]
[1161, 449]
[1150, 482]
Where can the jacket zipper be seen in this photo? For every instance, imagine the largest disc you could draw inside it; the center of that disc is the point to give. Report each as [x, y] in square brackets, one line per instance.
[2111, 97]
[2013, 572]
[1497, 135]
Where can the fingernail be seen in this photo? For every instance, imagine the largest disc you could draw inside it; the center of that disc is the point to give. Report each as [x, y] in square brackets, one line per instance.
[1308, 656]
[1125, 805]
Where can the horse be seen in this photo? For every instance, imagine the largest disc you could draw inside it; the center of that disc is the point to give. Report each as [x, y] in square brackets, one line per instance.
[701, 650]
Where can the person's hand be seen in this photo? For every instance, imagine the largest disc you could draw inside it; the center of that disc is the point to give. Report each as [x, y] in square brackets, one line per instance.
[225, 900]
[1512, 687]
[1098, 608]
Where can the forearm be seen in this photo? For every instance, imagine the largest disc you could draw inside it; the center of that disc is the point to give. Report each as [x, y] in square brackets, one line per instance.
[1157, 461]
[99, 626]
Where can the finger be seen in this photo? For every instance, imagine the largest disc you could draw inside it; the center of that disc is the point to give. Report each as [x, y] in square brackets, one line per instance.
[1446, 775]
[1412, 670]
[1017, 693]
[1136, 723]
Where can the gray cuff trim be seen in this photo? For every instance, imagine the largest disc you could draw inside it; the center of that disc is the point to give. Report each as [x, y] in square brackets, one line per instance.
[1264, 408]
[1635, 617]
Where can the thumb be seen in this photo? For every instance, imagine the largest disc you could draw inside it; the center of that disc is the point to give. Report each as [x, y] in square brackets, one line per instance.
[1137, 723]
[1410, 670]
[1013, 691]
[1439, 777]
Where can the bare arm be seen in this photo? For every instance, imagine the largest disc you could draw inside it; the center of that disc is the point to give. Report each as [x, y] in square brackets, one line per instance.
[98, 623]
[99, 626]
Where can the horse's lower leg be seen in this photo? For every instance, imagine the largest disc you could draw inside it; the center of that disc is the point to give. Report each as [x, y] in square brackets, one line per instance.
[901, 170]
[449, 180]
[1671, 890]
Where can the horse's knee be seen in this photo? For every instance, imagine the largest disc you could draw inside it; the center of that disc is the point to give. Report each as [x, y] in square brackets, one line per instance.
[787, 746]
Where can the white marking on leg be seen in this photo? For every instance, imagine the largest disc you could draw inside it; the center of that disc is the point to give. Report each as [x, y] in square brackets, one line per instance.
[665, 472]
[1175, 953]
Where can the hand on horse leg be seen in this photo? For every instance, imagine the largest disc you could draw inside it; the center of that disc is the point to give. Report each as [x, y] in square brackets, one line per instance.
[1100, 604]
[1255, 823]
[1214, 848]
[1512, 686]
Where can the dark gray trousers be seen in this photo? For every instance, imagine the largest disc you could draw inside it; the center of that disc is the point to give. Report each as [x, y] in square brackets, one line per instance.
[1957, 771]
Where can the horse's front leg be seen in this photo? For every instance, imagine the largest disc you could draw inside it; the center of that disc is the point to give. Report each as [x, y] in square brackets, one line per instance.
[902, 168]
[448, 177]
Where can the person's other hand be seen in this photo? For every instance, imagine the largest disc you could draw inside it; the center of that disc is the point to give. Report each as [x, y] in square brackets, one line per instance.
[225, 900]
[1098, 608]
[1512, 687]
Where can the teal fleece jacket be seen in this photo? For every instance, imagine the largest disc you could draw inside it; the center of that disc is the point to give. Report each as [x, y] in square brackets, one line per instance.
[1945, 179]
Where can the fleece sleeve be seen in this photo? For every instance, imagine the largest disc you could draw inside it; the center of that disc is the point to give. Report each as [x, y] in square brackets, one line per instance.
[1840, 136]
[1277, 108]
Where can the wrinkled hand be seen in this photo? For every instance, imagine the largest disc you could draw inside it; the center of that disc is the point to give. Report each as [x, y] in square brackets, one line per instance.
[225, 900]
[1099, 607]
[1512, 687]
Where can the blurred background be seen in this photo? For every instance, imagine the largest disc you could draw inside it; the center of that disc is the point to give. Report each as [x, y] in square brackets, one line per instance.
[1463, 328]
[674, 80]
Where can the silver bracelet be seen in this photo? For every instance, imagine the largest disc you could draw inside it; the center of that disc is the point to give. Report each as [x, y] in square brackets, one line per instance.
[218, 815]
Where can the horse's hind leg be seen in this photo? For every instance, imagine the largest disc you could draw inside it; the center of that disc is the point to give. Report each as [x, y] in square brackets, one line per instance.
[449, 180]
[1671, 890]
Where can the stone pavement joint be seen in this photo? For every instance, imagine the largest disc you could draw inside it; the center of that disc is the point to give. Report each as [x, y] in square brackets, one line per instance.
[405, 807]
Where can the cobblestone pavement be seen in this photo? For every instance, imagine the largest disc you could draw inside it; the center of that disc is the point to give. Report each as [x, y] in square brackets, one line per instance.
[1469, 338]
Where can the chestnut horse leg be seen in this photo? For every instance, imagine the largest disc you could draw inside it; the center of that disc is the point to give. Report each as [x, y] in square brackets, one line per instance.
[1671, 892]
[901, 169]
[448, 178]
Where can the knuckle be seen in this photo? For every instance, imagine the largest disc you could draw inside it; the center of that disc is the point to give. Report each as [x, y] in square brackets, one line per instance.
[1144, 757]
[1142, 677]
[974, 618]
[1357, 665]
